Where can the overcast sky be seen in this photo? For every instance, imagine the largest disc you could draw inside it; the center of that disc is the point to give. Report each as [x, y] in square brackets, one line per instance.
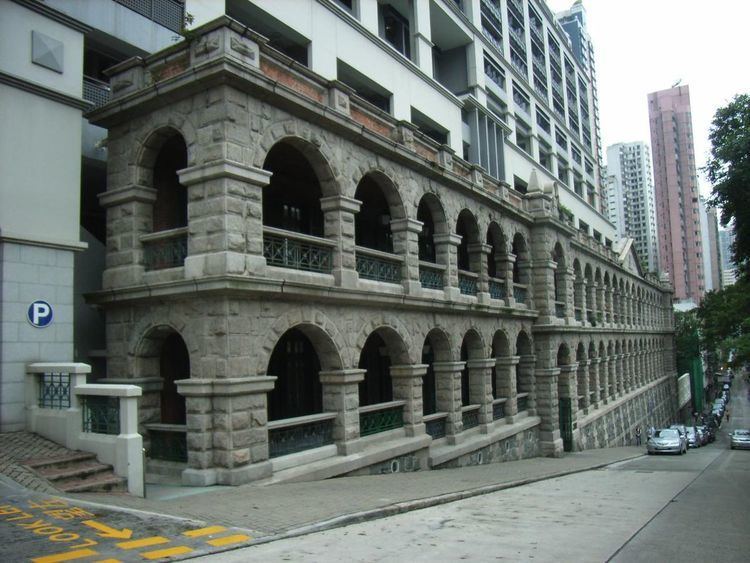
[646, 45]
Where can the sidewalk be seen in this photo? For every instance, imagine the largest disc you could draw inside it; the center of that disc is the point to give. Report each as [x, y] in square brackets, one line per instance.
[269, 512]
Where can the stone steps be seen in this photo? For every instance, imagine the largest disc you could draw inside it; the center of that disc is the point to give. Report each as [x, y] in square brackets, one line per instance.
[77, 472]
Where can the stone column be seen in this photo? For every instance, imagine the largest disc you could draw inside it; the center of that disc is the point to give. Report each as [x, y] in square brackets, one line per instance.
[579, 299]
[567, 384]
[339, 214]
[595, 383]
[341, 395]
[225, 218]
[227, 429]
[526, 380]
[505, 381]
[543, 275]
[611, 378]
[406, 244]
[545, 380]
[480, 389]
[505, 271]
[609, 295]
[582, 376]
[620, 374]
[478, 254]
[448, 383]
[129, 216]
[567, 293]
[407, 386]
[446, 250]
[599, 309]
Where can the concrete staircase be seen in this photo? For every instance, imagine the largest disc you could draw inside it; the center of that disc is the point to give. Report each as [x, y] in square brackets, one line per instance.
[77, 472]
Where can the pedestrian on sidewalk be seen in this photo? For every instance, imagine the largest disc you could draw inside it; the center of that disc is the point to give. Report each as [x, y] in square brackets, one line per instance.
[637, 435]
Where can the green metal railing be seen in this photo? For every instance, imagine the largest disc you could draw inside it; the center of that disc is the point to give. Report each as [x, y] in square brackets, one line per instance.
[101, 415]
[299, 437]
[436, 427]
[168, 445]
[467, 284]
[378, 269]
[498, 410]
[286, 252]
[169, 252]
[522, 403]
[497, 289]
[520, 293]
[380, 420]
[54, 391]
[430, 277]
[470, 418]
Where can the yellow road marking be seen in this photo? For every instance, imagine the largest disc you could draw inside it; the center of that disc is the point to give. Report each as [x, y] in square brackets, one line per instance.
[145, 542]
[169, 552]
[218, 542]
[203, 531]
[108, 561]
[69, 556]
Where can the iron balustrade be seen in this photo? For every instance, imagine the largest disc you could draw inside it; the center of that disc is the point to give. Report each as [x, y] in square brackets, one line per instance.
[467, 283]
[522, 402]
[378, 266]
[470, 416]
[95, 91]
[380, 418]
[497, 289]
[297, 252]
[494, 73]
[101, 414]
[498, 409]
[168, 442]
[492, 35]
[559, 309]
[299, 434]
[520, 293]
[431, 275]
[169, 13]
[517, 7]
[435, 425]
[54, 391]
[578, 315]
[166, 249]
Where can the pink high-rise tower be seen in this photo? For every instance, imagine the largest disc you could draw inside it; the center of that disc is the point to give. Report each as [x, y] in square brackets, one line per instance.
[676, 186]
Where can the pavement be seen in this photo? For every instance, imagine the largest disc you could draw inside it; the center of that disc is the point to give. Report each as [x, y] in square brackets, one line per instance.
[272, 512]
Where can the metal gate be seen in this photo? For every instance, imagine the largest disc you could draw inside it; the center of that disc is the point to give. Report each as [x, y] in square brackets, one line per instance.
[566, 422]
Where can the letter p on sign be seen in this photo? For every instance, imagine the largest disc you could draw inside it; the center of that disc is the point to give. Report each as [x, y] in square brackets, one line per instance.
[39, 314]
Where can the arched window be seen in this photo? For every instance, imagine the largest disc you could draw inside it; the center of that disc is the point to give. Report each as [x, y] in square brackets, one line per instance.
[297, 391]
[376, 386]
[174, 364]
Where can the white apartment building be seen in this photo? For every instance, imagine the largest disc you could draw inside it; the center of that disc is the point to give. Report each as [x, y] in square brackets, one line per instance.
[632, 206]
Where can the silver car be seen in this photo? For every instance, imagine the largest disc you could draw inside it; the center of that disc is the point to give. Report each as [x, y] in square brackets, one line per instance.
[740, 439]
[682, 429]
[666, 440]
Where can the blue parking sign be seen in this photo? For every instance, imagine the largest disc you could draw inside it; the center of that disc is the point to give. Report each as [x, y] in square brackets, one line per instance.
[39, 314]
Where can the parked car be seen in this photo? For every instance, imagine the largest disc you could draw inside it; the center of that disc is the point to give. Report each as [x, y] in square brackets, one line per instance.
[702, 438]
[666, 440]
[709, 430]
[740, 439]
[692, 437]
[683, 434]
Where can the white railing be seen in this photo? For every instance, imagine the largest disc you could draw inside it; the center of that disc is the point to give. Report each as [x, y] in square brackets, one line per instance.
[63, 408]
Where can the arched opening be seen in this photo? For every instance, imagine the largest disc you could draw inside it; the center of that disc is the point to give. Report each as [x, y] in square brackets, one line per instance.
[590, 295]
[469, 258]
[376, 386]
[430, 213]
[582, 383]
[497, 262]
[174, 364]
[524, 372]
[503, 375]
[566, 391]
[436, 348]
[471, 349]
[297, 392]
[558, 257]
[521, 279]
[578, 290]
[372, 224]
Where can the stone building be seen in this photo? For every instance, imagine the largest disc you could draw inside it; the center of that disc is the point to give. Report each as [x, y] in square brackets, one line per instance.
[306, 287]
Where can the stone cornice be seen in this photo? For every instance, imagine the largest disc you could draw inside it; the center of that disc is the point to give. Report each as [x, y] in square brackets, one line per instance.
[43, 91]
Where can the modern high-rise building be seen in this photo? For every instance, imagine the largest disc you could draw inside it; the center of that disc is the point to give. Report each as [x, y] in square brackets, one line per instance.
[676, 184]
[728, 268]
[714, 249]
[632, 203]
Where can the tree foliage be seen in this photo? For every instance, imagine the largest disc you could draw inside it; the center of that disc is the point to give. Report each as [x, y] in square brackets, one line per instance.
[728, 170]
[725, 321]
[687, 340]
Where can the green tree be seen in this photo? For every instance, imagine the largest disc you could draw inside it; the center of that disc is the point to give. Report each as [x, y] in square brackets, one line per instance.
[687, 340]
[728, 170]
[725, 321]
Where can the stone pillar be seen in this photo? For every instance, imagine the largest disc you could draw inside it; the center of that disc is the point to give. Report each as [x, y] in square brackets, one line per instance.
[129, 216]
[446, 250]
[595, 383]
[478, 254]
[583, 384]
[406, 244]
[225, 218]
[567, 383]
[611, 378]
[505, 381]
[480, 389]
[448, 384]
[600, 306]
[591, 302]
[407, 386]
[567, 293]
[526, 380]
[341, 395]
[227, 429]
[505, 271]
[579, 299]
[545, 383]
[339, 214]
[543, 274]
[620, 374]
[609, 295]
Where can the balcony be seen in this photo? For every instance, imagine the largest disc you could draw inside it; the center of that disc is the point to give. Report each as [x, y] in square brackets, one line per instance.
[515, 7]
[497, 288]
[95, 91]
[498, 409]
[520, 293]
[287, 249]
[522, 402]
[378, 266]
[431, 275]
[470, 416]
[169, 13]
[435, 425]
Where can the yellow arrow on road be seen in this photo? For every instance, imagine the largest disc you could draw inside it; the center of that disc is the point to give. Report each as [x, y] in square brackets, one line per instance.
[107, 532]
